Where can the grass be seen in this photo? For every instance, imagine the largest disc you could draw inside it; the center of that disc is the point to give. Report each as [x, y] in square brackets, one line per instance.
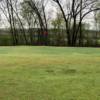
[49, 73]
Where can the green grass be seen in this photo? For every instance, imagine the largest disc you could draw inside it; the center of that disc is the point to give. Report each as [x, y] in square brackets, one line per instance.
[49, 73]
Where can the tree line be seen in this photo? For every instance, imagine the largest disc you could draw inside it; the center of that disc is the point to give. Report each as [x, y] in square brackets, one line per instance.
[27, 19]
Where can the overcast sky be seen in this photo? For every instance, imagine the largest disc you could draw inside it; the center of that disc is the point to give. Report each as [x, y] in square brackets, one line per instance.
[51, 10]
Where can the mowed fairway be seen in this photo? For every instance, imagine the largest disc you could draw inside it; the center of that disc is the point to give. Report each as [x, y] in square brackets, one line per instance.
[49, 73]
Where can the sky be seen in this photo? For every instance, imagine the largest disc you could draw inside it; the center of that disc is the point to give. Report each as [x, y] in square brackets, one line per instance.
[51, 11]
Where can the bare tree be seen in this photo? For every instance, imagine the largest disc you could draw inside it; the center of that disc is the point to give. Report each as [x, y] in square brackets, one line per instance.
[9, 9]
[38, 8]
[74, 9]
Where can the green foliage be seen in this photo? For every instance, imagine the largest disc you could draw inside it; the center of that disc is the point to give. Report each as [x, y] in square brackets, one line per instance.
[98, 18]
[58, 22]
[27, 14]
[5, 40]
